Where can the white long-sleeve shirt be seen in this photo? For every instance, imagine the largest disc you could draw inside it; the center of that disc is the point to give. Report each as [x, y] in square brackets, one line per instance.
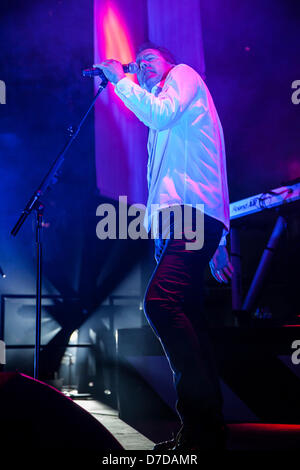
[187, 163]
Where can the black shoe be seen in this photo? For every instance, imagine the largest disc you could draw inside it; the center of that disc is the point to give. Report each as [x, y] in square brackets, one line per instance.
[165, 446]
[200, 441]
[168, 445]
[188, 440]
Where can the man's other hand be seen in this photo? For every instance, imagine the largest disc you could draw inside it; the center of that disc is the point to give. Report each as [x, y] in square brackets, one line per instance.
[112, 69]
[220, 265]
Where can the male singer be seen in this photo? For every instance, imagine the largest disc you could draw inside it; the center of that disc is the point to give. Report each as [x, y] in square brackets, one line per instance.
[186, 167]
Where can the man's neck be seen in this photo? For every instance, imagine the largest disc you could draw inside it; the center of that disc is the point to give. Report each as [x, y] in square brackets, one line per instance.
[160, 83]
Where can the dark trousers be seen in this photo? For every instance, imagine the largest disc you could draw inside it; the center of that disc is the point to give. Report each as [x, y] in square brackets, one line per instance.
[173, 307]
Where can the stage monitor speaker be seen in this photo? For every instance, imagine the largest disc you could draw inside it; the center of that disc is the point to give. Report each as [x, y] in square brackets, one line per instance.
[37, 416]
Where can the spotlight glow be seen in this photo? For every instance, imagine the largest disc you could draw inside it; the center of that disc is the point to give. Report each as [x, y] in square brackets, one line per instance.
[113, 40]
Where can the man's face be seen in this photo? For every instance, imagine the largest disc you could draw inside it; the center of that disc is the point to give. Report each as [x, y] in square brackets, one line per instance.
[152, 68]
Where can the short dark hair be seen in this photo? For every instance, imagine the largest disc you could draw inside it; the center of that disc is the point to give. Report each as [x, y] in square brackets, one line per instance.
[167, 55]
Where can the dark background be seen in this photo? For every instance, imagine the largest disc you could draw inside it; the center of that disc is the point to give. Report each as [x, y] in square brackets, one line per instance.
[251, 61]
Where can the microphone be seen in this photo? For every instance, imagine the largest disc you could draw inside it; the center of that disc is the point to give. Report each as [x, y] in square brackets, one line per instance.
[132, 67]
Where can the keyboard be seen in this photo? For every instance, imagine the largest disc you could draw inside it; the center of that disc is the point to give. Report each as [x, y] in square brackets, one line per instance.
[268, 200]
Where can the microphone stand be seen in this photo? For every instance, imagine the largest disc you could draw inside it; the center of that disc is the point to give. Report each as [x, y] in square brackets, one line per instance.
[35, 204]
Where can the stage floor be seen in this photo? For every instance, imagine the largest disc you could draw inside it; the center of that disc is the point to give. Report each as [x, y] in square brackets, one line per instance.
[242, 436]
[128, 437]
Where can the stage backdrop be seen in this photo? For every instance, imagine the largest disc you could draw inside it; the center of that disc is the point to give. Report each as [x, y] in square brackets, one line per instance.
[120, 26]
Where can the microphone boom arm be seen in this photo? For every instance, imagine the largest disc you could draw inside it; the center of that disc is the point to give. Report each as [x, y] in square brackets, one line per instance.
[52, 175]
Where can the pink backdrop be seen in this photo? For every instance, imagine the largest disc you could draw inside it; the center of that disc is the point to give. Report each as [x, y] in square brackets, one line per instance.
[120, 138]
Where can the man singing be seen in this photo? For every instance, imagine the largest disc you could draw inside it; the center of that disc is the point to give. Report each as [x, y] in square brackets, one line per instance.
[186, 167]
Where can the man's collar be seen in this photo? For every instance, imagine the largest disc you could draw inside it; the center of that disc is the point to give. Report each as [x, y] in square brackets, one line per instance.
[156, 89]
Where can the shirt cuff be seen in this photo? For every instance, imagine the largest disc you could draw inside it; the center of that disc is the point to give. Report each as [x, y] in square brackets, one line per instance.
[223, 240]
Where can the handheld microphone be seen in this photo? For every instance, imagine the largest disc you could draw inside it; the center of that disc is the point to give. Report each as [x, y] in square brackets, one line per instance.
[132, 67]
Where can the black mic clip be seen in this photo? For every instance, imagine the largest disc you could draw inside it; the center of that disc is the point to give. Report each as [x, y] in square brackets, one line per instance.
[132, 67]
[94, 72]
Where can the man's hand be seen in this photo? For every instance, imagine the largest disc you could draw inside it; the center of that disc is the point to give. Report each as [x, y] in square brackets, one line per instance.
[112, 69]
[220, 265]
